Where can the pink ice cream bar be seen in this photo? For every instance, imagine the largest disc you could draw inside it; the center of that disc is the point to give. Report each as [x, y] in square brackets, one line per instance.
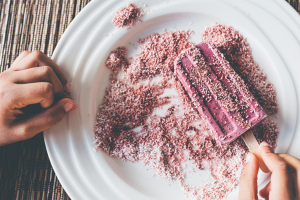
[218, 92]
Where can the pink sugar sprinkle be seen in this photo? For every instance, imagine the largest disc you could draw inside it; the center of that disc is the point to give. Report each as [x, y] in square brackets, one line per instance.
[165, 143]
[126, 17]
[116, 60]
[157, 55]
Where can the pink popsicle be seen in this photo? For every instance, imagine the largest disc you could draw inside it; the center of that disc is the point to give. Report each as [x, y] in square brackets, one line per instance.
[218, 92]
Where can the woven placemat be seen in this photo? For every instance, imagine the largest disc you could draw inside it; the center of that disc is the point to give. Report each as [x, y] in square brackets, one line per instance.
[25, 169]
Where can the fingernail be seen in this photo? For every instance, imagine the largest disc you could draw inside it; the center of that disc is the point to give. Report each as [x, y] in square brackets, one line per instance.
[264, 144]
[74, 106]
[67, 88]
[68, 106]
[248, 157]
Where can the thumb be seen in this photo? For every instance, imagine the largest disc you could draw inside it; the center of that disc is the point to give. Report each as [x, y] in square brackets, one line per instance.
[248, 182]
[281, 180]
[47, 118]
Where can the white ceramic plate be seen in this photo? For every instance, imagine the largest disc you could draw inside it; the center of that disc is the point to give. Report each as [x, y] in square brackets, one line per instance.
[272, 28]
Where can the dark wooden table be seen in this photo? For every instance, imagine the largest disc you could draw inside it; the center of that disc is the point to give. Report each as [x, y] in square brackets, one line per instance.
[25, 169]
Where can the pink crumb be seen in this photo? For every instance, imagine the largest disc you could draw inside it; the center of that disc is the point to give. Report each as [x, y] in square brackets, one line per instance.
[126, 17]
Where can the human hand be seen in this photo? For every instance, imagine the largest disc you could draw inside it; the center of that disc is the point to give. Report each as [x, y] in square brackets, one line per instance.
[285, 177]
[34, 95]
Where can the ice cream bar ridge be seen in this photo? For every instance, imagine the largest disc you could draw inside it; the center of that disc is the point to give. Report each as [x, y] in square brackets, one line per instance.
[218, 92]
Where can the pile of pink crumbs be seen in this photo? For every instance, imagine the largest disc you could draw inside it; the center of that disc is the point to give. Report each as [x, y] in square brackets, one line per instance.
[126, 17]
[163, 142]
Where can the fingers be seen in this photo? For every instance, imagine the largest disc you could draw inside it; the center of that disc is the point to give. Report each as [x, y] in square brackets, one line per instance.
[264, 193]
[37, 59]
[20, 57]
[291, 160]
[32, 93]
[281, 187]
[40, 74]
[248, 182]
[295, 164]
[44, 120]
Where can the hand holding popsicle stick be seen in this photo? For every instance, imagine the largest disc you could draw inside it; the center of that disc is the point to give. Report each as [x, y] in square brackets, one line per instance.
[285, 176]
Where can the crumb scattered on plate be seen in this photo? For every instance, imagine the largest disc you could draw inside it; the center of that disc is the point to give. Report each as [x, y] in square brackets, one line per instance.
[126, 17]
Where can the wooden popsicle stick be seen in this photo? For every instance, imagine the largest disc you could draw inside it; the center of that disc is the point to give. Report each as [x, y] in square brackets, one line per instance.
[253, 146]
